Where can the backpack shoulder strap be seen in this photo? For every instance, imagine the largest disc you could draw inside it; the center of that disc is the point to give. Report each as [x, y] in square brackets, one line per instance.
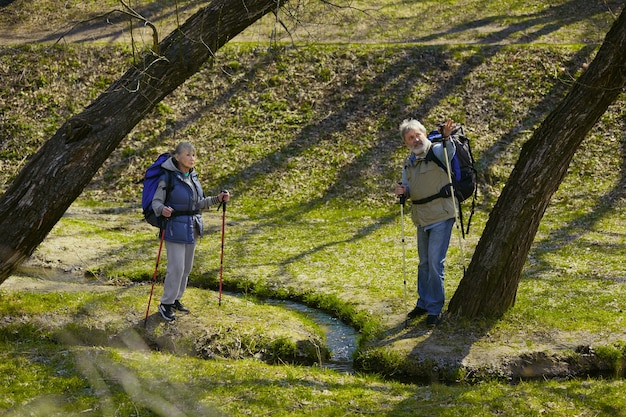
[430, 156]
[169, 182]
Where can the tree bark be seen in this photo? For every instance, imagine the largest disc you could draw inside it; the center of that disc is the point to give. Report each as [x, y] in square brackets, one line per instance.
[56, 175]
[489, 286]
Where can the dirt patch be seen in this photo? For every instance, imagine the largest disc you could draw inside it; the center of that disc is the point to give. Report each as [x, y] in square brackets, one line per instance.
[437, 355]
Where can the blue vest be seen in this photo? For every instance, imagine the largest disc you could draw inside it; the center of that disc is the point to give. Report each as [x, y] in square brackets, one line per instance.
[186, 221]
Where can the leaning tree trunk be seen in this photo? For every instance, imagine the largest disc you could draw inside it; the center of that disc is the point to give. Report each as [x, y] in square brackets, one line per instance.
[56, 175]
[490, 283]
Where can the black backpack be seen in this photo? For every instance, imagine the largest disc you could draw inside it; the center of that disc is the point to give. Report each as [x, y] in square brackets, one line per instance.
[462, 171]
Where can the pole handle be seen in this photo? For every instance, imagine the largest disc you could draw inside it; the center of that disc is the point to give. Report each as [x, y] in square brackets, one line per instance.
[402, 197]
[222, 204]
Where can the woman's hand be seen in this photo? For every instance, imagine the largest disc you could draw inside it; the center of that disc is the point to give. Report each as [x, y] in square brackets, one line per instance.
[224, 196]
[167, 211]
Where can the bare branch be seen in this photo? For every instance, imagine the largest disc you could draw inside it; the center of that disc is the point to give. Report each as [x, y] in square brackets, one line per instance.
[155, 34]
[128, 12]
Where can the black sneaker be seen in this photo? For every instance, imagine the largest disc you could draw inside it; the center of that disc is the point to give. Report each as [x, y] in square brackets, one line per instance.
[416, 312]
[180, 307]
[167, 311]
[433, 320]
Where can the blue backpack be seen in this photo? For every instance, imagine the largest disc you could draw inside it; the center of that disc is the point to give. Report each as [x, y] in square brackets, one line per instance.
[150, 184]
[462, 168]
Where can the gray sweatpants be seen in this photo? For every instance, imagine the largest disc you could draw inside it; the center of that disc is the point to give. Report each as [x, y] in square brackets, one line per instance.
[179, 264]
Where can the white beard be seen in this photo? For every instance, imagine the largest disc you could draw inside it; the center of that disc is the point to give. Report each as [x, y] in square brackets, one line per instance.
[418, 150]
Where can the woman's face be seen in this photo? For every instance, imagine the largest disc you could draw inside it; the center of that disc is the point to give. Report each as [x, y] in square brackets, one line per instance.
[186, 160]
[415, 141]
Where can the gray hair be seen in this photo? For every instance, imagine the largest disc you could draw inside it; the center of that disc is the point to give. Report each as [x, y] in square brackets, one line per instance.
[411, 124]
[184, 146]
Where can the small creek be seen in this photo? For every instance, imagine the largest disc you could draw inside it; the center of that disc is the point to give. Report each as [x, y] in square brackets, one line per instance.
[341, 339]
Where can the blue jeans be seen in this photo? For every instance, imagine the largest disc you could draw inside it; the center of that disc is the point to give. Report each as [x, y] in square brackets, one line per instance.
[432, 246]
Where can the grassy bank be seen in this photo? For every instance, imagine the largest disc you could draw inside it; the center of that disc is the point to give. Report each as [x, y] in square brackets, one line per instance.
[306, 140]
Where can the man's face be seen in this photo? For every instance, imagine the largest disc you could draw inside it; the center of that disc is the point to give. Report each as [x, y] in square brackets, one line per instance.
[415, 141]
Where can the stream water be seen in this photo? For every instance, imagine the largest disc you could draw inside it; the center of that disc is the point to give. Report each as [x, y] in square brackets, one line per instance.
[341, 339]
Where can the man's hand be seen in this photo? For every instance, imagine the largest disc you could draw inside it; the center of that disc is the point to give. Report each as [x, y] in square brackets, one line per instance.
[448, 127]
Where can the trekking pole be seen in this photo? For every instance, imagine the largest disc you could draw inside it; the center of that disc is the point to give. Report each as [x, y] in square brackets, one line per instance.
[223, 206]
[156, 268]
[454, 202]
[402, 198]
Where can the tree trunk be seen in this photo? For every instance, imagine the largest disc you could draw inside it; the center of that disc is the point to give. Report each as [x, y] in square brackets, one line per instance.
[56, 175]
[490, 283]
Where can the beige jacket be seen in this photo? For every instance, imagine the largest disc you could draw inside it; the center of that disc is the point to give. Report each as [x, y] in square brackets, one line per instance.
[425, 178]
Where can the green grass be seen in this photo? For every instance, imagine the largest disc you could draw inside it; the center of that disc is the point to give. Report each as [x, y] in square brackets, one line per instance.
[151, 384]
[306, 139]
[313, 218]
[357, 22]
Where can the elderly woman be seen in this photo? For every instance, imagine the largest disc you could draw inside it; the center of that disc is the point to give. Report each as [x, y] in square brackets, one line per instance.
[183, 226]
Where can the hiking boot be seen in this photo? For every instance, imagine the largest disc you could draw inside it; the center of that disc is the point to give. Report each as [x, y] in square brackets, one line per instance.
[416, 312]
[433, 319]
[167, 311]
[180, 307]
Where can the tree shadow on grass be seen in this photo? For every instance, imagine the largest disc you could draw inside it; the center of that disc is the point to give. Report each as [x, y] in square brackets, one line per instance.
[398, 77]
[574, 231]
[112, 26]
[366, 103]
[527, 28]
